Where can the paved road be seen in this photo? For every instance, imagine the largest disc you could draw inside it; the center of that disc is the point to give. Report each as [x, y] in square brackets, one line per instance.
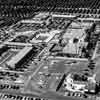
[48, 95]
[56, 96]
[34, 73]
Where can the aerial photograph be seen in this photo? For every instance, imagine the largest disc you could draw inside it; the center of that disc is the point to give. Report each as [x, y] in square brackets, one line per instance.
[49, 49]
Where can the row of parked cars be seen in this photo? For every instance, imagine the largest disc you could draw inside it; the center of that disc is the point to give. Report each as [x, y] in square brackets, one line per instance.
[10, 76]
[75, 94]
[5, 96]
[10, 87]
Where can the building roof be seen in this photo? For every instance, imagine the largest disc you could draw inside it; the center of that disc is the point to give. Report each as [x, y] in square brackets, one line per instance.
[17, 44]
[19, 56]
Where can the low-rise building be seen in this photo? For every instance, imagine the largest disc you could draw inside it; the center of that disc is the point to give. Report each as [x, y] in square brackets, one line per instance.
[19, 57]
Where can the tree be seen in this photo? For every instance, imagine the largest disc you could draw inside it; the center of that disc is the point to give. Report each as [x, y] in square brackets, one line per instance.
[91, 65]
[97, 88]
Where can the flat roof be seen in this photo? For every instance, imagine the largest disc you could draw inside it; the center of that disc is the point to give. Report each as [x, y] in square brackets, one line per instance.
[17, 44]
[65, 16]
[31, 21]
[47, 38]
[74, 33]
[89, 19]
[70, 49]
[19, 56]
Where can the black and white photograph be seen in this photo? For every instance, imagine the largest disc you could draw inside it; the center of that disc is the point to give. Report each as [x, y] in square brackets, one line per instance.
[49, 49]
